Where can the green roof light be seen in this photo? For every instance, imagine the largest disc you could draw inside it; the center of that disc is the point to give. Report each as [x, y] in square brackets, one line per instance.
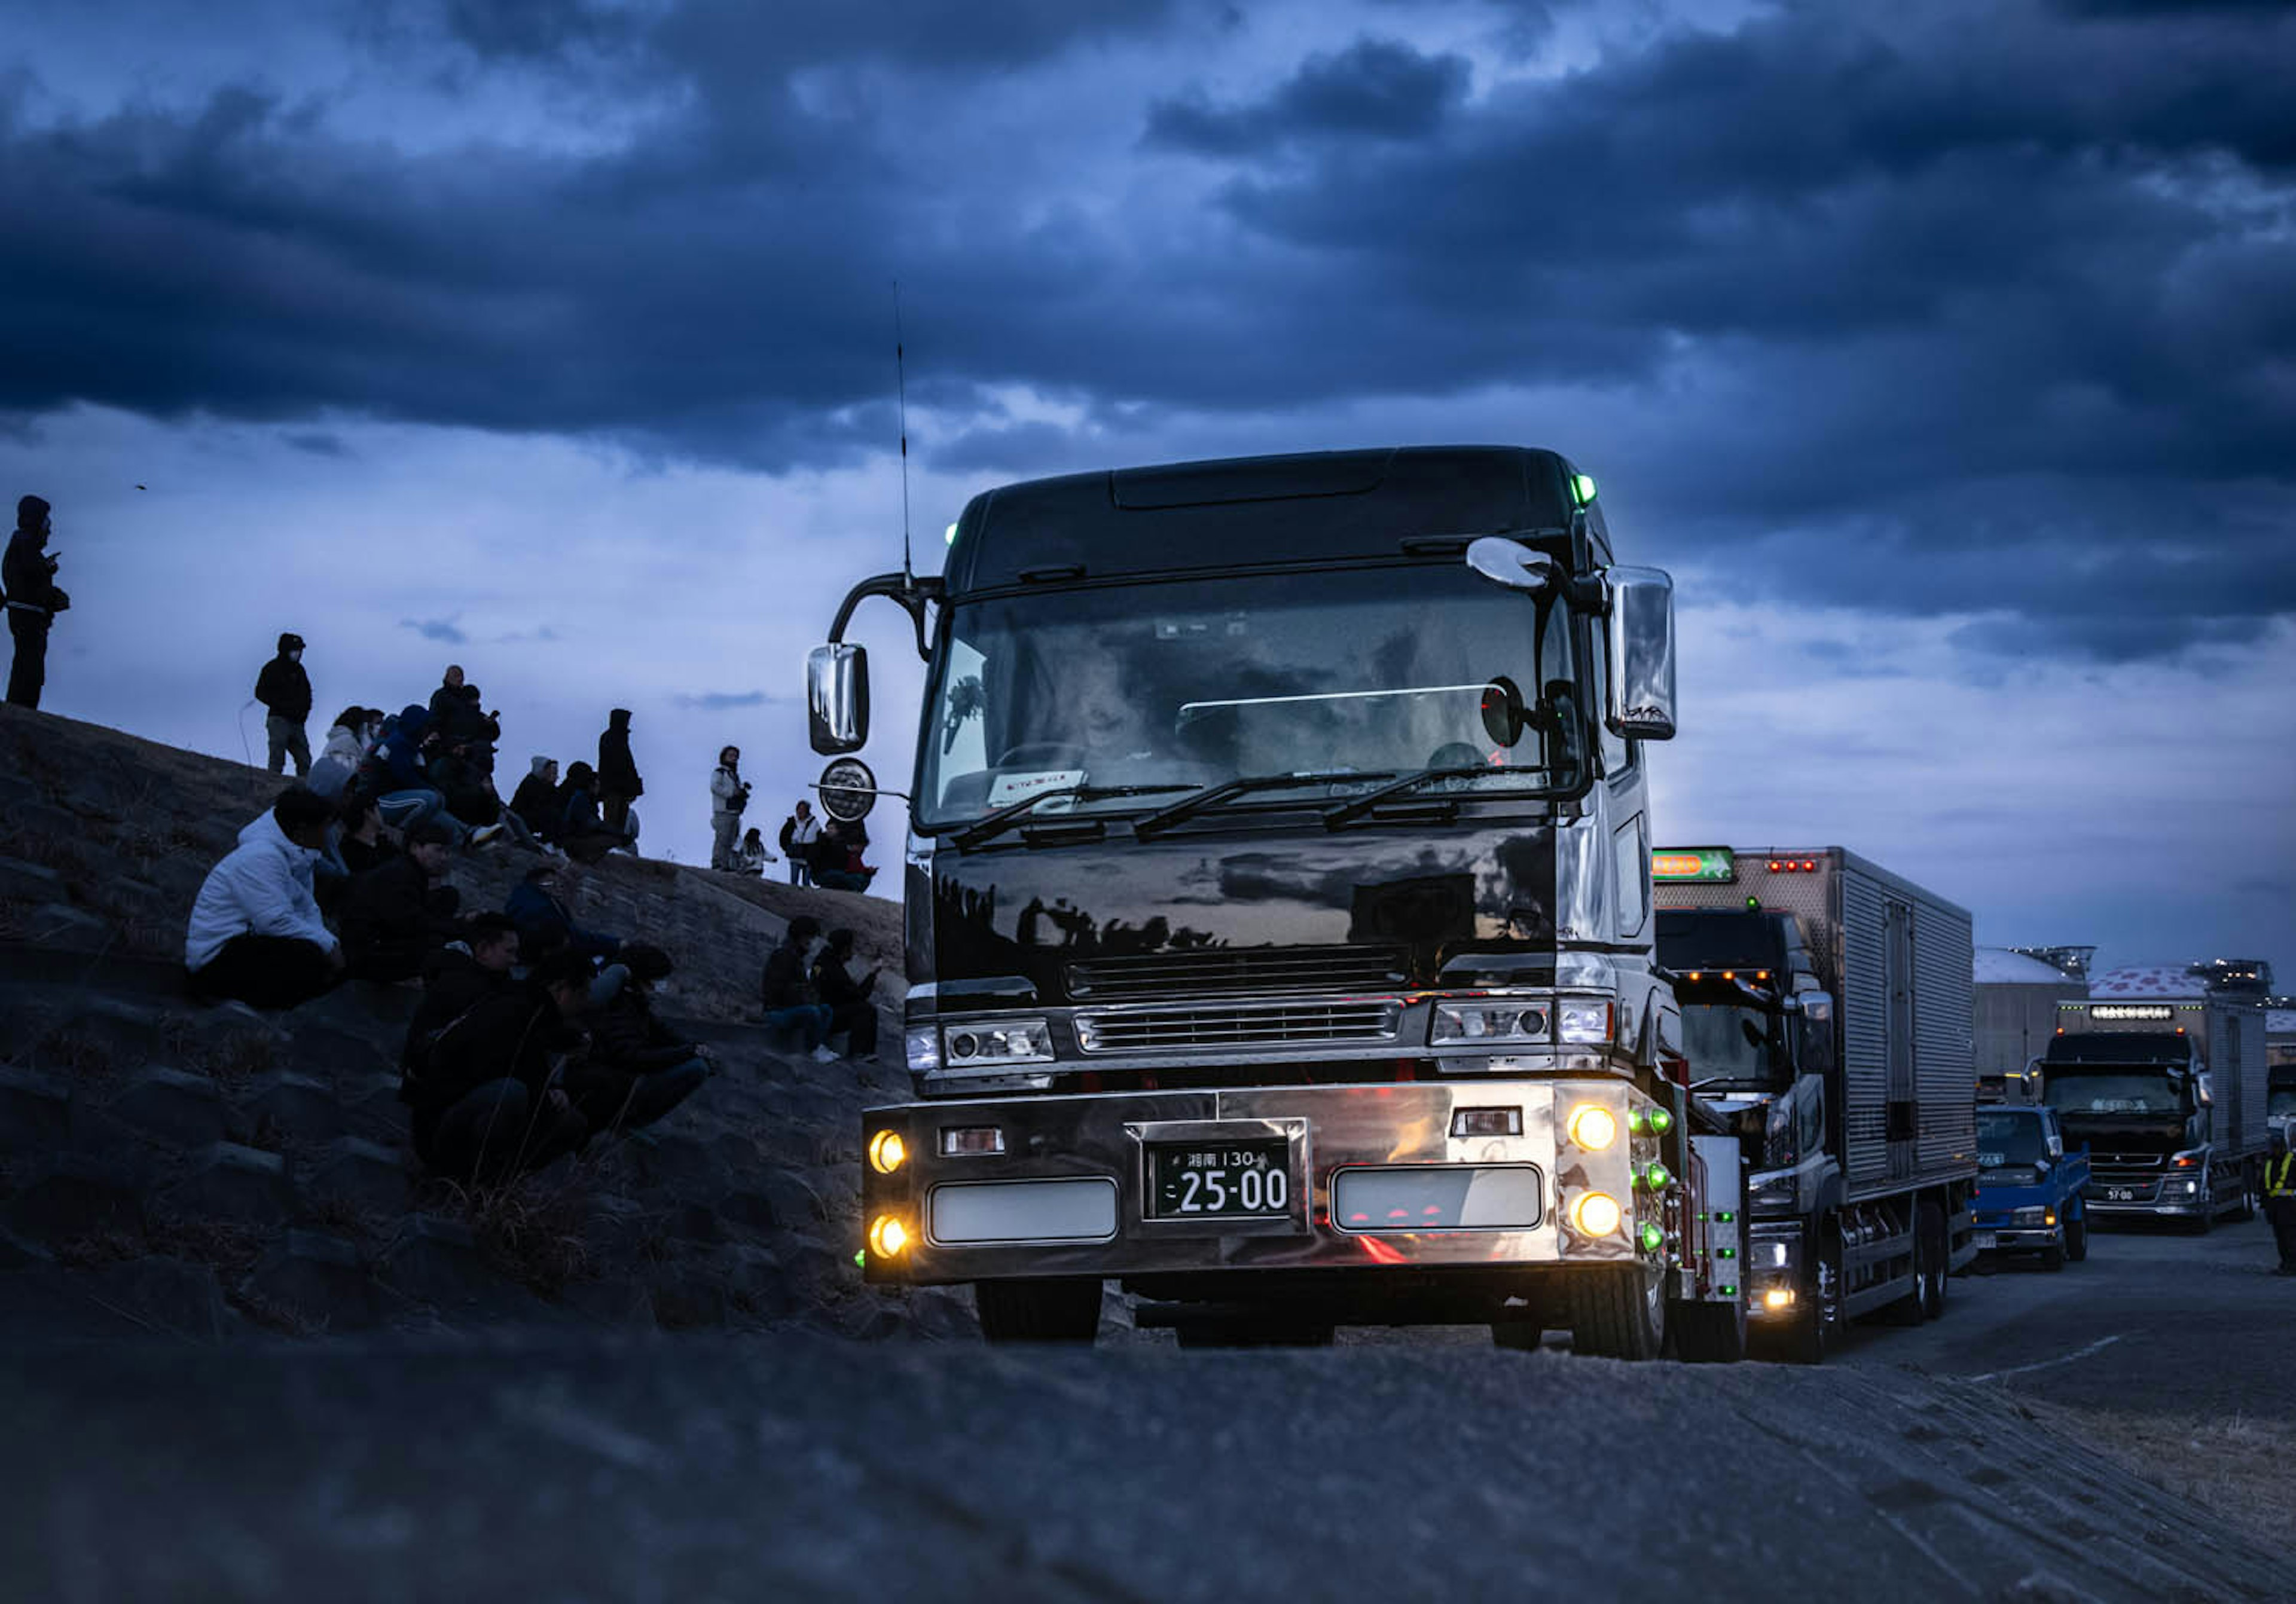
[1582, 487]
[950, 537]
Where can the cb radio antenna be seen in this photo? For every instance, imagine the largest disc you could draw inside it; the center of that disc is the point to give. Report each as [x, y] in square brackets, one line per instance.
[901, 393]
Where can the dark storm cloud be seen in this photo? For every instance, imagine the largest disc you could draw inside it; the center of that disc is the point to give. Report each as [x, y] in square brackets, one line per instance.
[1917, 308]
[1374, 89]
[718, 701]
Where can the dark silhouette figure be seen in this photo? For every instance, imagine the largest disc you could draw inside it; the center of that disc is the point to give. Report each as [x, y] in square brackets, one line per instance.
[618, 784]
[285, 690]
[27, 576]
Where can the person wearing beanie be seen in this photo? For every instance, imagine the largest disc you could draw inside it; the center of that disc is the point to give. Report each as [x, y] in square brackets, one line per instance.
[27, 579]
[285, 690]
[536, 800]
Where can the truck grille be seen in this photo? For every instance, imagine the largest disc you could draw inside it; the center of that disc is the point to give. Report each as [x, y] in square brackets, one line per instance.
[1248, 1025]
[1229, 971]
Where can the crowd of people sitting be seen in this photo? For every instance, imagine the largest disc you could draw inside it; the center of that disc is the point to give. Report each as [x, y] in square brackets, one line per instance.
[535, 1034]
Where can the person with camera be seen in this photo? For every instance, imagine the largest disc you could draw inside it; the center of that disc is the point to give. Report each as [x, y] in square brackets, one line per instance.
[729, 794]
[27, 578]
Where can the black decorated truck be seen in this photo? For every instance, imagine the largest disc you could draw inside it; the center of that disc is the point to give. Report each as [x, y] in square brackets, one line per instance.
[1279, 922]
[2169, 1091]
[1826, 1014]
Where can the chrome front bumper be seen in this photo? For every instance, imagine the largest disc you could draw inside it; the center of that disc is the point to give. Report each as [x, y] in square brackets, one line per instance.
[1098, 1144]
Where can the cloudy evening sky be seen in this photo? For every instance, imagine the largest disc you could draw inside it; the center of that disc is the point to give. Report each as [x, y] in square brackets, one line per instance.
[1945, 352]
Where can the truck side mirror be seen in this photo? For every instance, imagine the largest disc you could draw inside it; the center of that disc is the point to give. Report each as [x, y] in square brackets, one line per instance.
[837, 696]
[1640, 639]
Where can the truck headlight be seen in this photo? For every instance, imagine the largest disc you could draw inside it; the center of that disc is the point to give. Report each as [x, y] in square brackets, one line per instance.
[1777, 1193]
[923, 1044]
[1583, 1024]
[2029, 1216]
[993, 1043]
[1499, 1021]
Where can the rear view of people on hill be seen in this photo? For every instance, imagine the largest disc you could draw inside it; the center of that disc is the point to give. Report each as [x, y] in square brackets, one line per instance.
[285, 690]
[27, 578]
[483, 1083]
[255, 933]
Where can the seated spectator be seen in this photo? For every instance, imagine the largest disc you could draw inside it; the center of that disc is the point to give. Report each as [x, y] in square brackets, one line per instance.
[850, 1010]
[583, 834]
[536, 800]
[836, 857]
[458, 714]
[791, 1006]
[400, 911]
[482, 1087]
[255, 932]
[460, 976]
[546, 925]
[340, 756]
[362, 845]
[470, 795]
[752, 857]
[637, 1069]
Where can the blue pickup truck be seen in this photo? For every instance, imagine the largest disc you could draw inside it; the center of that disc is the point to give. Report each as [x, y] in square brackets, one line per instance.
[2030, 1190]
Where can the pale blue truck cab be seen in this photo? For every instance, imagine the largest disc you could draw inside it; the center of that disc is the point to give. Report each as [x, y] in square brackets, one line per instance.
[2030, 1191]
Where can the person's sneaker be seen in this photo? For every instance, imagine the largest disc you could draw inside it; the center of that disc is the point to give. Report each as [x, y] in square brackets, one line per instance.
[822, 1055]
[485, 833]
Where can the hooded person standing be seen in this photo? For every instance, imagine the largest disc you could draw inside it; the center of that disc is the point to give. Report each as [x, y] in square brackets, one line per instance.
[27, 578]
[285, 690]
[729, 794]
[618, 784]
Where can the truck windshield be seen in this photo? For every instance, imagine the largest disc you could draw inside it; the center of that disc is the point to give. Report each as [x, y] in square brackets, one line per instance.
[2010, 1139]
[1373, 672]
[2280, 1103]
[1728, 1044]
[2073, 1089]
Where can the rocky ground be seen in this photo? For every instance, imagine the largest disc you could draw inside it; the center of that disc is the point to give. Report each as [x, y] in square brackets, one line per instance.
[205, 1171]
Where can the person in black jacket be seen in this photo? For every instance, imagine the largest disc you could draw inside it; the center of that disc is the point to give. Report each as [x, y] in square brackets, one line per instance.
[483, 1087]
[285, 690]
[536, 800]
[459, 713]
[618, 784]
[400, 911]
[791, 1005]
[848, 999]
[460, 976]
[583, 834]
[638, 1069]
[27, 578]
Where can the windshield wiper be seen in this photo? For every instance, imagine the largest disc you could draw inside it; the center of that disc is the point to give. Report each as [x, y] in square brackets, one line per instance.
[1211, 796]
[989, 826]
[1355, 808]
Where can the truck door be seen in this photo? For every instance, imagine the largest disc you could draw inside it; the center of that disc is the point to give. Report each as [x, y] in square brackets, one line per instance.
[1898, 987]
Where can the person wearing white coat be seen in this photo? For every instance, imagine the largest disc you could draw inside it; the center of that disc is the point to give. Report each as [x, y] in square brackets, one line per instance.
[255, 933]
[729, 794]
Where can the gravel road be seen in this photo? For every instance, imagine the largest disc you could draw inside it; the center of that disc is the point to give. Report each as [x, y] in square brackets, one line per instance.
[804, 1468]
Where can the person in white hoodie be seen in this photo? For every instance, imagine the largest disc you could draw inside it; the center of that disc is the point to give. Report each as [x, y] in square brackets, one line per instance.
[729, 794]
[255, 933]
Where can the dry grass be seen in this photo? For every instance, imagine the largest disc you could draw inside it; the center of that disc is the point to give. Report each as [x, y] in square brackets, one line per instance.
[2234, 1466]
[533, 1228]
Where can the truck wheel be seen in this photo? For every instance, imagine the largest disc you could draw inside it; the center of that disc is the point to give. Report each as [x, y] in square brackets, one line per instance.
[1926, 1301]
[1062, 1310]
[1818, 1322]
[2077, 1237]
[1619, 1312]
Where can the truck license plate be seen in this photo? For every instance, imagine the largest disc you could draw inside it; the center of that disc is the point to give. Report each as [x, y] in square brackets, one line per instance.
[1188, 1179]
[2121, 1194]
[1987, 1238]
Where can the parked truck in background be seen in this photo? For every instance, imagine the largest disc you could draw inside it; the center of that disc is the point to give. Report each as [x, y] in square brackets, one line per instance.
[1279, 916]
[2169, 1094]
[2031, 1187]
[1825, 1013]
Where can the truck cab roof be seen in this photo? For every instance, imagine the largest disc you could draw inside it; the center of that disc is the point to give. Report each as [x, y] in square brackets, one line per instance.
[1319, 507]
[2121, 1047]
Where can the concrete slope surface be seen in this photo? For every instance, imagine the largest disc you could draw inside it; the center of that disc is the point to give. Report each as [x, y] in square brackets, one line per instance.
[799, 1468]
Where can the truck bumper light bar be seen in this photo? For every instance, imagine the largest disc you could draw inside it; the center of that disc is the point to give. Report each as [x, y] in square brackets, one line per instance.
[962, 1141]
[1081, 1210]
[1439, 1197]
[1487, 1122]
[1597, 1214]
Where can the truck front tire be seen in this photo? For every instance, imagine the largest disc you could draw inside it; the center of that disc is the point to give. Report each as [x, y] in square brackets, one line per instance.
[1062, 1310]
[1618, 1312]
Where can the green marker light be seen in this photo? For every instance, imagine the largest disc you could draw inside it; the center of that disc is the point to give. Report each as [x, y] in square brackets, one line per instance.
[861, 1259]
[1582, 487]
[950, 537]
[1660, 1121]
[1654, 1238]
[1657, 1177]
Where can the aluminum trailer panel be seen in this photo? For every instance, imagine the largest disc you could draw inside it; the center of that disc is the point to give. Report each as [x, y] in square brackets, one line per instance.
[1897, 959]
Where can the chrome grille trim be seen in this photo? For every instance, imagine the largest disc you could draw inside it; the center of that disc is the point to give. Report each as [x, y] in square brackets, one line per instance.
[1226, 971]
[1306, 1022]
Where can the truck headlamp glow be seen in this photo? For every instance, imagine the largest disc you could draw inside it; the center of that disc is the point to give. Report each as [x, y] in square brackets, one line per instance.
[1491, 1021]
[991, 1044]
[887, 1237]
[1595, 1215]
[1592, 1126]
[1583, 1024]
[888, 1152]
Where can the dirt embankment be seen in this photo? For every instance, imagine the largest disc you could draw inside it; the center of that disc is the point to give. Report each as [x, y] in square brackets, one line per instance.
[166, 1167]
